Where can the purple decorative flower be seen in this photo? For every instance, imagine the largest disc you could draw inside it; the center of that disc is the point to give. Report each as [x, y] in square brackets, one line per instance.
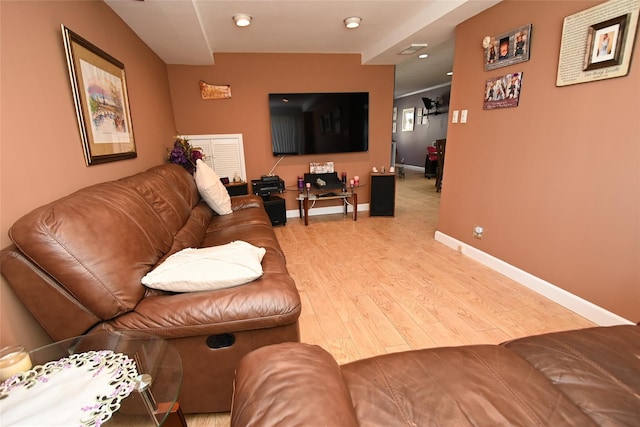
[184, 154]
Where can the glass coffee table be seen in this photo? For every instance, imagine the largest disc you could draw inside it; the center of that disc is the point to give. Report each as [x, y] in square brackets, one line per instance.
[107, 378]
[308, 198]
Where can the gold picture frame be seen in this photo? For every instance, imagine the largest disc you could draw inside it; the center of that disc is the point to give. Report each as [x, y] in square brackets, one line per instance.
[99, 87]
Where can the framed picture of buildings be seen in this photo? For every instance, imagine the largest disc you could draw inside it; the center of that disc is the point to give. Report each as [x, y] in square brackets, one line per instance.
[99, 87]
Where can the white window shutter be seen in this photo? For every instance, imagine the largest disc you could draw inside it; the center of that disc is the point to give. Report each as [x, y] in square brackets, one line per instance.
[223, 153]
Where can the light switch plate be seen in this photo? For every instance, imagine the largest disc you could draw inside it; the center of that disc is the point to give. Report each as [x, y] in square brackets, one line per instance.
[454, 116]
[463, 116]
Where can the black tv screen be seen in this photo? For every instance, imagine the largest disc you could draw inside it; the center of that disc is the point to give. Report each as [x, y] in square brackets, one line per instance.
[319, 123]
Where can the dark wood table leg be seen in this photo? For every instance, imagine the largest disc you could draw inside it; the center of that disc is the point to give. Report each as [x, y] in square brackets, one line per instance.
[355, 207]
[306, 211]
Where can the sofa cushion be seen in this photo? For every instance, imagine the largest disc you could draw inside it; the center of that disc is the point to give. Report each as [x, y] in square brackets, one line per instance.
[597, 368]
[203, 269]
[480, 385]
[211, 189]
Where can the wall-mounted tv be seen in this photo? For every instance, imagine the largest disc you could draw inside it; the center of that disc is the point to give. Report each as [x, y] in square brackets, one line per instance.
[319, 123]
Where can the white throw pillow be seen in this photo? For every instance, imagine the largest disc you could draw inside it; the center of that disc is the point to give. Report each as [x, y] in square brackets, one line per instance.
[204, 269]
[211, 189]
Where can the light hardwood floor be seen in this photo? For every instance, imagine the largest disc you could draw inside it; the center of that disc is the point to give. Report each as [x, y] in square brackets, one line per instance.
[383, 284]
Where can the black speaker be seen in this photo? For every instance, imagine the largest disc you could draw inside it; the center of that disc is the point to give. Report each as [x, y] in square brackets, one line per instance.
[276, 209]
[383, 194]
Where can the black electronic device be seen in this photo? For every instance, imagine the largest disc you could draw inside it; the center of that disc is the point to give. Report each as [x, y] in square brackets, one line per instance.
[269, 178]
[329, 194]
[324, 181]
[319, 123]
[276, 209]
[265, 188]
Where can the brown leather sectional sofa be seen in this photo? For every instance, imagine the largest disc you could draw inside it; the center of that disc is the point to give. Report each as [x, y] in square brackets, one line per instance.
[588, 377]
[77, 265]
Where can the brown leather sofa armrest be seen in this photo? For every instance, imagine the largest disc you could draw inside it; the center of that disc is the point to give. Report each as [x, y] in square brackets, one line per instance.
[246, 201]
[291, 384]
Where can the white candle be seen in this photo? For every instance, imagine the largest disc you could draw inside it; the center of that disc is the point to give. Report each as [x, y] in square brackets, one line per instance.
[13, 360]
[308, 185]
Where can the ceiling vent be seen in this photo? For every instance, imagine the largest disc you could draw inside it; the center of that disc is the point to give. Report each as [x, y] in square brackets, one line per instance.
[413, 48]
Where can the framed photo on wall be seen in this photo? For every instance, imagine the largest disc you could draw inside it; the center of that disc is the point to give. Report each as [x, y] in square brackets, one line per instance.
[99, 87]
[408, 119]
[508, 48]
[503, 91]
[604, 43]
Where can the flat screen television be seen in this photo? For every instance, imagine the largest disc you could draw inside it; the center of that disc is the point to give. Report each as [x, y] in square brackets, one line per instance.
[319, 123]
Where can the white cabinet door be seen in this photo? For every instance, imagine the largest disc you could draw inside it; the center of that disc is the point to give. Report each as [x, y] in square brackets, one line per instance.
[223, 153]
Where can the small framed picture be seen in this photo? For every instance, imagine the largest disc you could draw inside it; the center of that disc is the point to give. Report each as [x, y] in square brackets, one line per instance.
[604, 43]
[503, 91]
[408, 119]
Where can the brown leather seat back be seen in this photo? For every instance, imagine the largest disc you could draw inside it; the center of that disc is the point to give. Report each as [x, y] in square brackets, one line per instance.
[101, 240]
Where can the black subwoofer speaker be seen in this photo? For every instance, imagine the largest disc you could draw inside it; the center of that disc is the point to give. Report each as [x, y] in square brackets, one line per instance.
[383, 194]
[276, 209]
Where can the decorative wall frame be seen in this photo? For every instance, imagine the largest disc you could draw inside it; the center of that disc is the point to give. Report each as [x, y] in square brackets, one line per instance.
[408, 119]
[508, 48]
[321, 167]
[581, 59]
[208, 91]
[604, 43]
[99, 87]
[503, 91]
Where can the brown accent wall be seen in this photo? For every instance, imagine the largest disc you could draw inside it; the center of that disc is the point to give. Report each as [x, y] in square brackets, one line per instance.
[253, 76]
[555, 182]
[41, 153]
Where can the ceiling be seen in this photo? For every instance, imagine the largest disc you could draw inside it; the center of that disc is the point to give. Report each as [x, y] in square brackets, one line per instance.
[192, 31]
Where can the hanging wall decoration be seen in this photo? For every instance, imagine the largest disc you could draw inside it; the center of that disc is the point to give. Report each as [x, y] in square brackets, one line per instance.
[507, 49]
[597, 43]
[99, 89]
[503, 91]
[408, 117]
[208, 91]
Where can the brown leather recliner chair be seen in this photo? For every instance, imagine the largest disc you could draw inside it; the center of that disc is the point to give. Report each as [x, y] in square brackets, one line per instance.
[578, 378]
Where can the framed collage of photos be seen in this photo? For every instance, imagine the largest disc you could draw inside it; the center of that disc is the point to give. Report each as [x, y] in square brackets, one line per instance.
[503, 91]
[507, 49]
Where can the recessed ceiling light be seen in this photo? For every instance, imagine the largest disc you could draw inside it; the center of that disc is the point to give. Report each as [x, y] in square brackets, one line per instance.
[352, 22]
[242, 19]
[424, 55]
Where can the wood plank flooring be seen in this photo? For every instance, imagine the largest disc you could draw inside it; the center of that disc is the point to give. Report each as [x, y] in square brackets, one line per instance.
[383, 285]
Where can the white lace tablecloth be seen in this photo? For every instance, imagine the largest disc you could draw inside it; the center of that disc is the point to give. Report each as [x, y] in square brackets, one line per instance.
[84, 389]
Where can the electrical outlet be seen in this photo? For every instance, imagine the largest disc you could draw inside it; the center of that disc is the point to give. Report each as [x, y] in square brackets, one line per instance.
[478, 231]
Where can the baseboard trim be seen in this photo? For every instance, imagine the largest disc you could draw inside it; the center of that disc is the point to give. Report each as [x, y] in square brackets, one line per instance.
[327, 210]
[578, 305]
